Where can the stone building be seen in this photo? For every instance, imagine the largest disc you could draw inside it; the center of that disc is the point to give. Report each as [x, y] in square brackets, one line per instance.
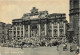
[2, 32]
[39, 25]
[8, 26]
[74, 17]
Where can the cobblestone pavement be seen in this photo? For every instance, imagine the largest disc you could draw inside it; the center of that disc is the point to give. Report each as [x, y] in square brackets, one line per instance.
[36, 51]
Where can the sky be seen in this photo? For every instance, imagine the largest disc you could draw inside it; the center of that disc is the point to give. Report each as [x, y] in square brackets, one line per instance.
[14, 9]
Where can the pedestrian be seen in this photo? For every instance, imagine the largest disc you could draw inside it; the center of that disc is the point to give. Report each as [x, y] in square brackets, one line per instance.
[65, 47]
[21, 46]
[57, 47]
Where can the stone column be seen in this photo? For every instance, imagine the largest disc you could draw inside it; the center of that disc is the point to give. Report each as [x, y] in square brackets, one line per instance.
[45, 29]
[64, 29]
[58, 29]
[12, 32]
[31, 32]
[52, 29]
[23, 32]
[39, 30]
[13, 35]
[20, 30]
[28, 30]
[16, 31]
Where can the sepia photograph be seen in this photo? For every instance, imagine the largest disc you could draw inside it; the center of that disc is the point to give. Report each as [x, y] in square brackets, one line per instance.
[39, 27]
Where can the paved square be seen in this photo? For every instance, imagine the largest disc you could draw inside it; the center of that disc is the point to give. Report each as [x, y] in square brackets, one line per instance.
[35, 51]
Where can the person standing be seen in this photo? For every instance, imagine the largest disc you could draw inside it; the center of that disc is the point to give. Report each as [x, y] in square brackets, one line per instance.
[57, 47]
[21, 46]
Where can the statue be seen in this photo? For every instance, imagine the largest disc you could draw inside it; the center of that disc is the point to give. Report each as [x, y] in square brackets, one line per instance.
[34, 11]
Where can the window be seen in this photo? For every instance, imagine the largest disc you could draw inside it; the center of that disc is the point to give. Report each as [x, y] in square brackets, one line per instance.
[14, 28]
[21, 36]
[18, 32]
[18, 38]
[61, 23]
[55, 23]
[14, 36]
[76, 4]
[18, 28]
[21, 28]
[61, 31]
[22, 32]
[61, 26]
[55, 26]
[55, 31]
[34, 27]
[14, 32]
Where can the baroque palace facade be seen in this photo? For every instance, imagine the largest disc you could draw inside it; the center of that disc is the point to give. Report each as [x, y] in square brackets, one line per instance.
[39, 25]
